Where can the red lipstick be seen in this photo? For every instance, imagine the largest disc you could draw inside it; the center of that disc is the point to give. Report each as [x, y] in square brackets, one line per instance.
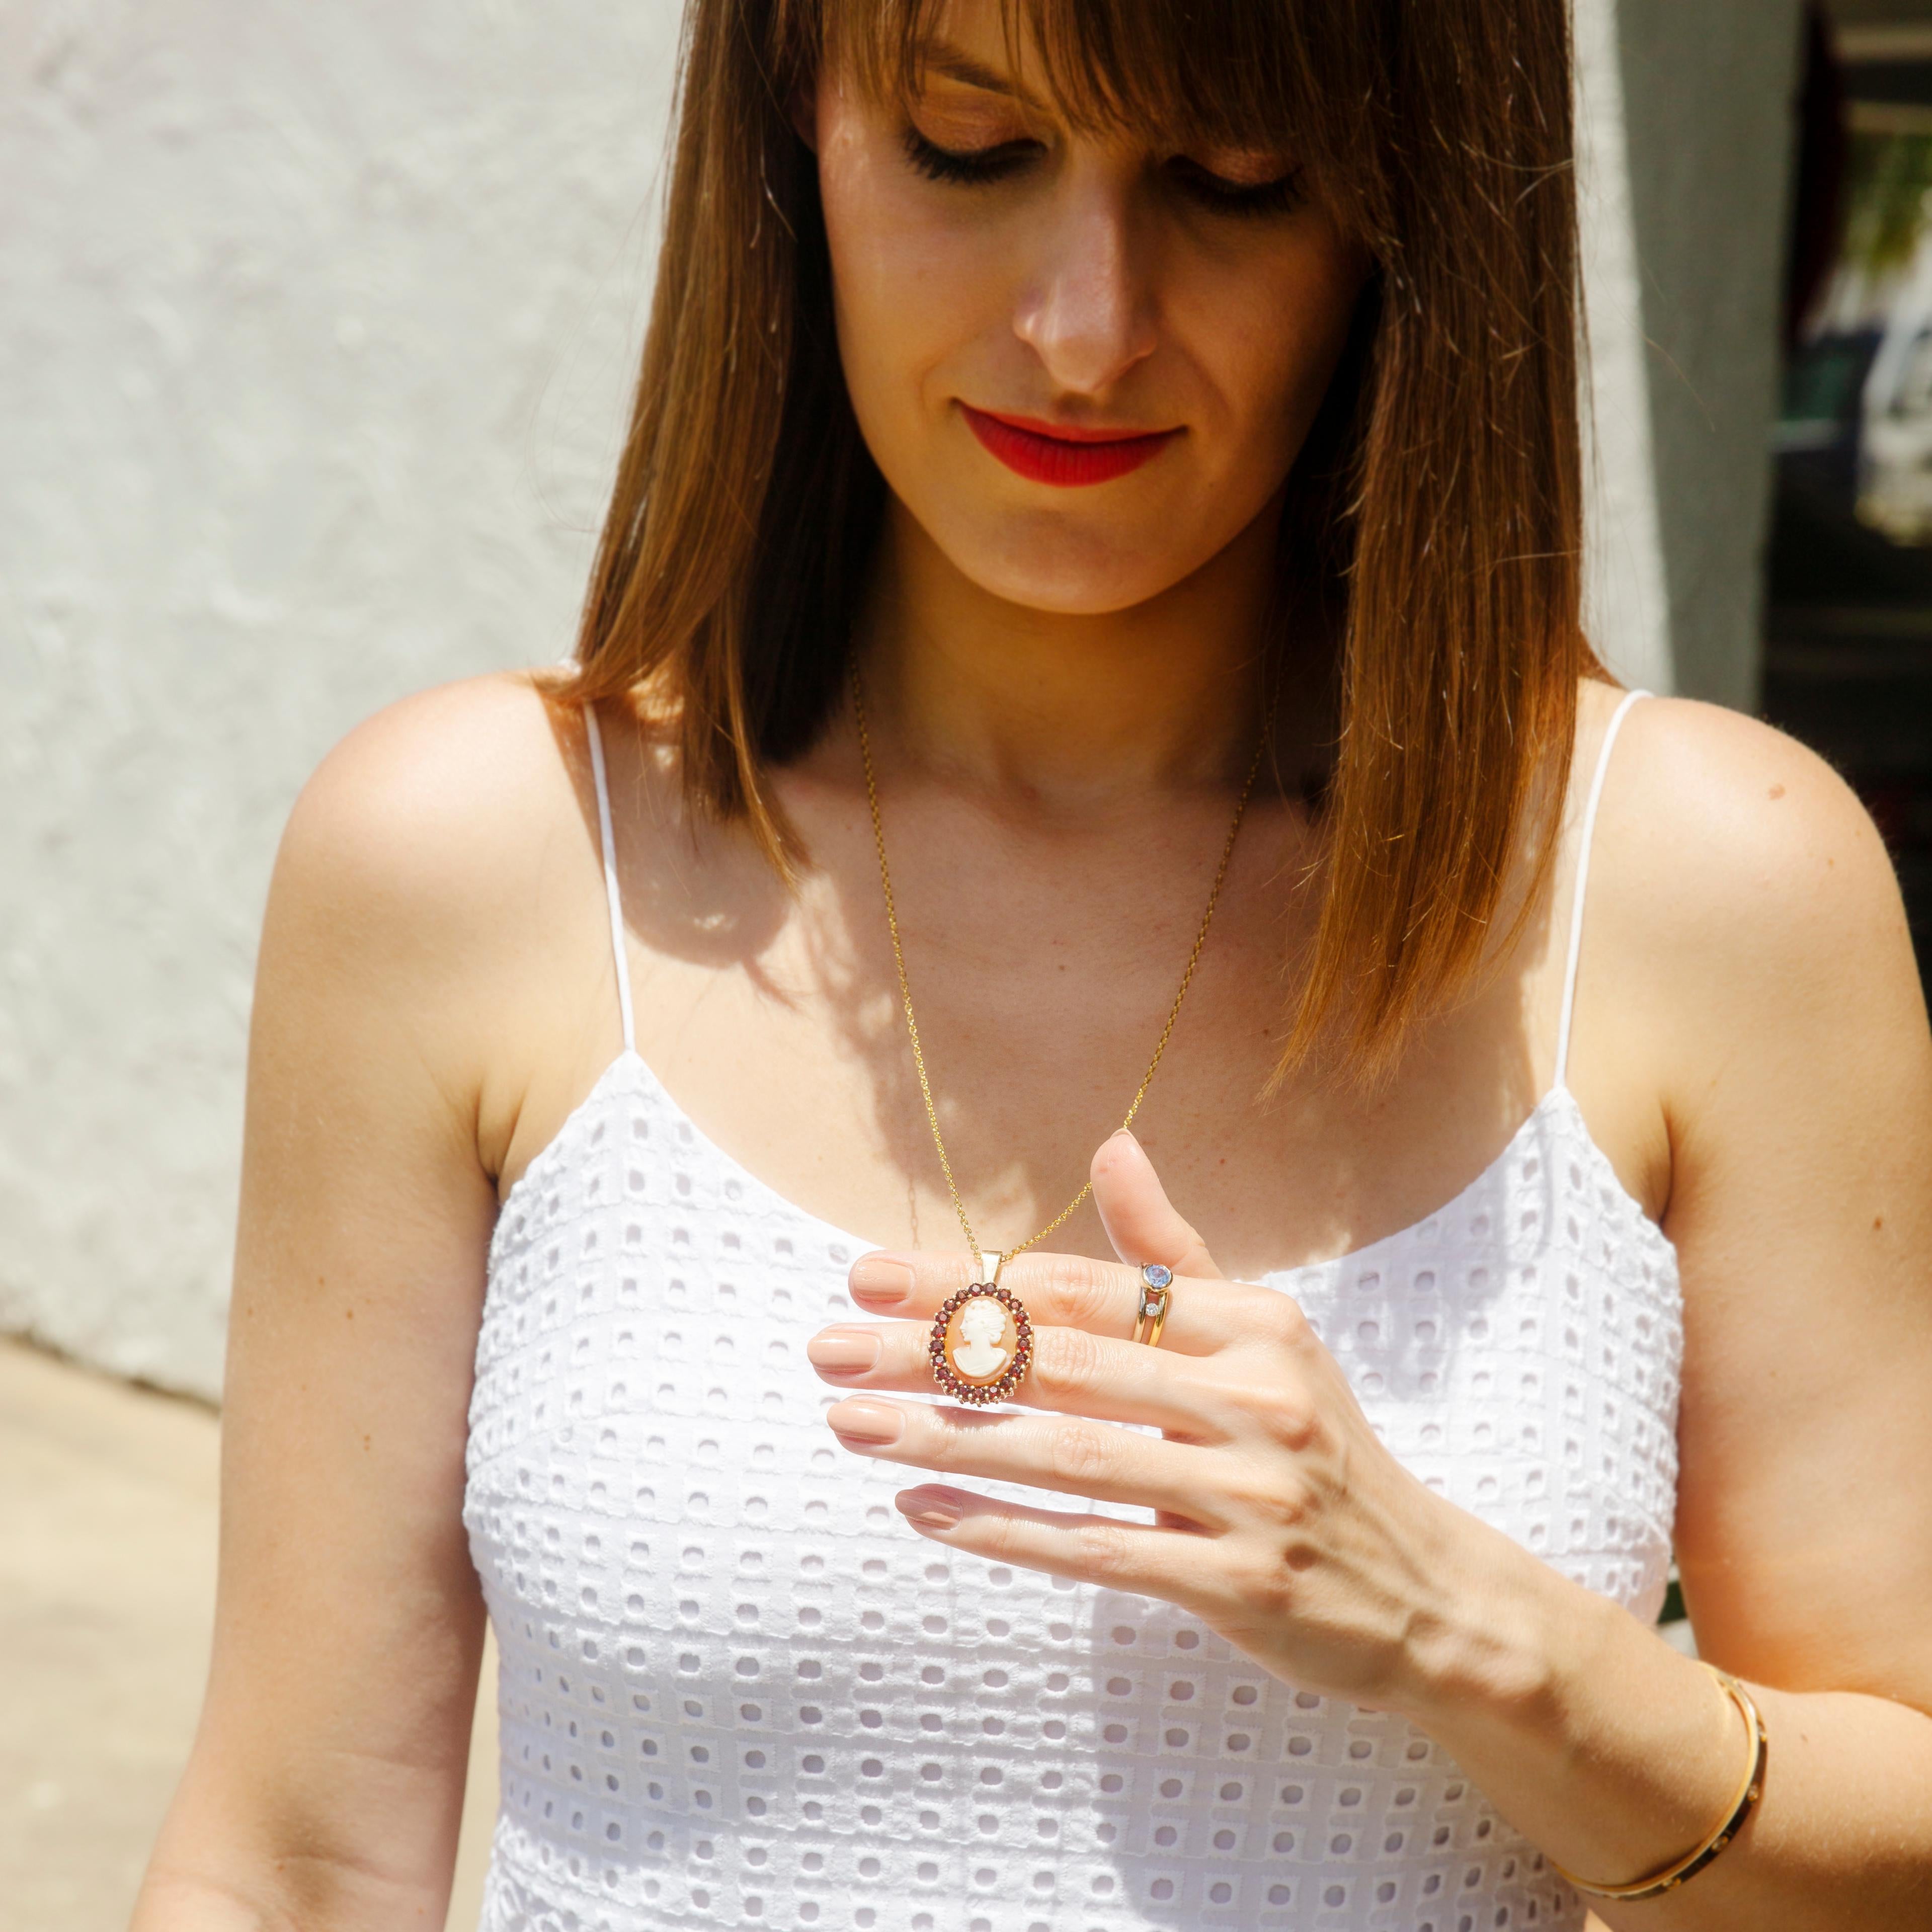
[1054, 453]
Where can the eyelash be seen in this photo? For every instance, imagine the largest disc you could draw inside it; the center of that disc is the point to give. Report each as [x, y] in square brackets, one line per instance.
[982, 166]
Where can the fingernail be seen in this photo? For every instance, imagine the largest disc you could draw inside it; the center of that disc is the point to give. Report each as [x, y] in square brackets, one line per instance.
[881, 1277]
[862, 1421]
[928, 1512]
[843, 1351]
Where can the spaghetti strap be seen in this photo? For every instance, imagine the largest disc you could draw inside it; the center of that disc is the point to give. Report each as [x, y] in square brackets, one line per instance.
[619, 958]
[1584, 842]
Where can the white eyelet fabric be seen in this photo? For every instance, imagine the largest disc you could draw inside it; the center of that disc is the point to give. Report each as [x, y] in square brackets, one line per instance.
[737, 1690]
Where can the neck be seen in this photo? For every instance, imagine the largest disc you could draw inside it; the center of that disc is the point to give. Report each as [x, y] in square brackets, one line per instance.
[1070, 709]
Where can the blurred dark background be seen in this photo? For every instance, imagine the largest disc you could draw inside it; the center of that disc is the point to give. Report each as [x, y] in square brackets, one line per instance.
[1848, 618]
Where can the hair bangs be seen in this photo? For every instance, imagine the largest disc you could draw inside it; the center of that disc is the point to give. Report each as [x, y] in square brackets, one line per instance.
[1296, 74]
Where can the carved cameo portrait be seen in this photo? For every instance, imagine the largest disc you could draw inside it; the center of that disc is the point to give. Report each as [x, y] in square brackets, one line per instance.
[982, 1340]
[980, 1343]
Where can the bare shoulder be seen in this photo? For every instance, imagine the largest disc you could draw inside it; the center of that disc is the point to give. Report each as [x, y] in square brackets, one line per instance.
[435, 865]
[1743, 879]
[437, 804]
[1757, 823]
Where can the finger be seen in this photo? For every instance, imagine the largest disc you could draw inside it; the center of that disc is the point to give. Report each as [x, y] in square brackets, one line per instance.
[1140, 1220]
[1146, 1561]
[1074, 1456]
[1071, 1372]
[1071, 1291]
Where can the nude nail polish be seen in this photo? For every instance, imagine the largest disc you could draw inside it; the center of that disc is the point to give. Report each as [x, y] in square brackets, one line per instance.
[843, 1351]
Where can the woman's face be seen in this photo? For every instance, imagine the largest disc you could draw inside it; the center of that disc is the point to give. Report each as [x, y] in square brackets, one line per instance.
[1014, 299]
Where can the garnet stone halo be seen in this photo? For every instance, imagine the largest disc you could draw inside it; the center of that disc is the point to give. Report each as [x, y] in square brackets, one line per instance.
[981, 1343]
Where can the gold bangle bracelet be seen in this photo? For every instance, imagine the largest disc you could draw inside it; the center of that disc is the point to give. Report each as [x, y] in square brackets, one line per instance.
[1740, 1808]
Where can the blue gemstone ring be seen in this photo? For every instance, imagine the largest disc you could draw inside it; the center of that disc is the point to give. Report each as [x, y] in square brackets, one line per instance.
[1150, 1316]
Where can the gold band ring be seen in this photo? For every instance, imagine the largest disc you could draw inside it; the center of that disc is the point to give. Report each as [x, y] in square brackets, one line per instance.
[1150, 1313]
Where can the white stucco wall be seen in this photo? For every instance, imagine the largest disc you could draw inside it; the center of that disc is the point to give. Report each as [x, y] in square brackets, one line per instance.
[1706, 136]
[1626, 606]
[1687, 148]
[315, 327]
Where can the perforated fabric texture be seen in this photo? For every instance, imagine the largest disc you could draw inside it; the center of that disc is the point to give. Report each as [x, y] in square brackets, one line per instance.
[736, 1690]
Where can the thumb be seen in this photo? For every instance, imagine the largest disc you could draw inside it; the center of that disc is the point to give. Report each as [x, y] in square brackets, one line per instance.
[1139, 1219]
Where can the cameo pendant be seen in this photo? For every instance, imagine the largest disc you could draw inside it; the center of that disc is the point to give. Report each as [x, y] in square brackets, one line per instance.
[981, 1344]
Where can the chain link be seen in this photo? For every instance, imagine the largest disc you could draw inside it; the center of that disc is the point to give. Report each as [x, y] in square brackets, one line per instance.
[912, 1023]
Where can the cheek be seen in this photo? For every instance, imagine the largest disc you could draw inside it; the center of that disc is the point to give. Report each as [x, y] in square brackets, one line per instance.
[1266, 337]
[910, 285]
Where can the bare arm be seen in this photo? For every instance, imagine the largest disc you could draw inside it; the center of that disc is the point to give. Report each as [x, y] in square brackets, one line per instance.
[1747, 905]
[325, 1782]
[1760, 1010]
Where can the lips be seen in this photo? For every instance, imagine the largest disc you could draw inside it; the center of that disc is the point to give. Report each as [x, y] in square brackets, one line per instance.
[1067, 457]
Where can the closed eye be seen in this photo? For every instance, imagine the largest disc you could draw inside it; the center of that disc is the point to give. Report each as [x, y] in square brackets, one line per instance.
[967, 165]
[1281, 196]
[977, 166]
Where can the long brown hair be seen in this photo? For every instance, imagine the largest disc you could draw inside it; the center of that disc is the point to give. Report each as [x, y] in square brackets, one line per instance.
[1431, 540]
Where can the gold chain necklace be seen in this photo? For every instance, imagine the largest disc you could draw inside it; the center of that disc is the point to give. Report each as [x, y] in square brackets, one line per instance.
[912, 1023]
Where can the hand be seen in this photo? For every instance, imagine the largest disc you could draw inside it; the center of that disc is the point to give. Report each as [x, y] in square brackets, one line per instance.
[1281, 1521]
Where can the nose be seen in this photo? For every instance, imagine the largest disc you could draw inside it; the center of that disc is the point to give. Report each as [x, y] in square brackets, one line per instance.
[1086, 311]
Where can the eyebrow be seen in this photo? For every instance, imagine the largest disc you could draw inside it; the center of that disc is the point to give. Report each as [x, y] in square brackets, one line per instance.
[943, 58]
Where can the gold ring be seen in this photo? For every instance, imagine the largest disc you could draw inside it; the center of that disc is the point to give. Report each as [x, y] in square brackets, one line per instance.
[1150, 1313]
[981, 1343]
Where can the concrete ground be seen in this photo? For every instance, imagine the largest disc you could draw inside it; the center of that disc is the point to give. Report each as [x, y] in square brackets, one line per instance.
[107, 1541]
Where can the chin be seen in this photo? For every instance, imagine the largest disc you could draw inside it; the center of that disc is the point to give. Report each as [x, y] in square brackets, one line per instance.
[1041, 564]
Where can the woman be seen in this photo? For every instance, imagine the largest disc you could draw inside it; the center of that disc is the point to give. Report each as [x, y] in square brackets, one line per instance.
[1078, 447]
